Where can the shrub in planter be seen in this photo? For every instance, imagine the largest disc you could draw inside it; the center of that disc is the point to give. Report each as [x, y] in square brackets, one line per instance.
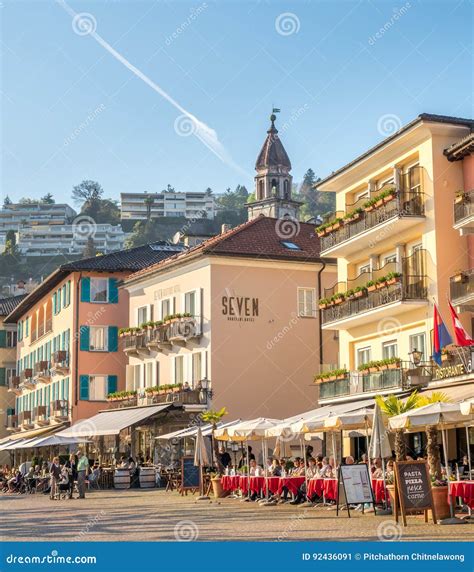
[381, 282]
[323, 303]
[337, 298]
[393, 278]
[360, 291]
[371, 286]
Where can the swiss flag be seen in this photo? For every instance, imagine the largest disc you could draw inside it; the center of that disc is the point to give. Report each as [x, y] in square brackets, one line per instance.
[460, 334]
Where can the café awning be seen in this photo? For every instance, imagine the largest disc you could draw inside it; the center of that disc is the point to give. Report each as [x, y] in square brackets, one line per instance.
[113, 421]
[24, 437]
[192, 431]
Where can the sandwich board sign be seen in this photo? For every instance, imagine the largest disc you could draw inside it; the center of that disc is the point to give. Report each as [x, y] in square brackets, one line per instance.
[190, 475]
[413, 490]
[354, 486]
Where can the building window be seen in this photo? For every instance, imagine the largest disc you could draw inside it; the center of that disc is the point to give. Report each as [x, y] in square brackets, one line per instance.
[364, 268]
[190, 303]
[9, 374]
[98, 341]
[11, 337]
[363, 356]
[142, 315]
[149, 374]
[389, 349]
[179, 369]
[97, 387]
[307, 302]
[167, 307]
[418, 342]
[99, 290]
[389, 259]
[197, 368]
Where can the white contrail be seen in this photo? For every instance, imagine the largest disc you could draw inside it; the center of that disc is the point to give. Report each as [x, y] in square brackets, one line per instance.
[85, 24]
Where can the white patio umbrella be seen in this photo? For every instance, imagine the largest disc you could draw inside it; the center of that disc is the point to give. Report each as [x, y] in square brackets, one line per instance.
[467, 407]
[442, 415]
[245, 431]
[379, 446]
[51, 441]
[201, 459]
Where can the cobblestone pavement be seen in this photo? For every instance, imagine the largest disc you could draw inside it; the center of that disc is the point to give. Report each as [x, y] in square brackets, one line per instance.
[136, 515]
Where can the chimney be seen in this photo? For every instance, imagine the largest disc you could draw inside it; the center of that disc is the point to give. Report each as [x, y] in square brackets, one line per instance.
[225, 228]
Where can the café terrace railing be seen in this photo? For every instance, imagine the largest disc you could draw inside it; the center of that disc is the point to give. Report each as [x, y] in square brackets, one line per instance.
[464, 207]
[411, 285]
[409, 201]
[157, 337]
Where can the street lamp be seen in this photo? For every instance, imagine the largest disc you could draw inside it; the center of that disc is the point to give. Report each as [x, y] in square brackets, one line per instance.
[416, 356]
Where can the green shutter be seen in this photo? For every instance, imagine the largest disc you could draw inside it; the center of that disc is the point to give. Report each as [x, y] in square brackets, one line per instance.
[113, 338]
[55, 303]
[111, 384]
[84, 338]
[84, 387]
[113, 291]
[86, 289]
[3, 338]
[3, 377]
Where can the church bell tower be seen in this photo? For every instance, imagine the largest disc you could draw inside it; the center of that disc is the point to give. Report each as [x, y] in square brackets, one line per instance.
[273, 196]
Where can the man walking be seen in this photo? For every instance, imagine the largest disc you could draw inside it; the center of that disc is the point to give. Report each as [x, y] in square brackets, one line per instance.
[82, 468]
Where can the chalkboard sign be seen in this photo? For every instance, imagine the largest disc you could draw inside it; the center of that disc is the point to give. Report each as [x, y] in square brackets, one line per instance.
[413, 489]
[190, 475]
[354, 480]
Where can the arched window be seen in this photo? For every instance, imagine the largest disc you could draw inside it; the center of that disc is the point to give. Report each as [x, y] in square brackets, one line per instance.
[274, 186]
[260, 190]
[286, 189]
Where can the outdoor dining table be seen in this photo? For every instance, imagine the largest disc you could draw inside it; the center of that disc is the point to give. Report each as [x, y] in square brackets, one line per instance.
[464, 490]
[315, 487]
[379, 490]
[291, 483]
[230, 482]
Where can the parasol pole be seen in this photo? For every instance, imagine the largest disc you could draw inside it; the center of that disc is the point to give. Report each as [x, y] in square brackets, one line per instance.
[468, 452]
[453, 519]
[305, 472]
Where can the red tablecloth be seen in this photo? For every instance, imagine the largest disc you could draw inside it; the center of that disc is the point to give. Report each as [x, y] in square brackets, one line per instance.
[256, 484]
[273, 484]
[244, 484]
[315, 487]
[463, 489]
[291, 483]
[330, 489]
[379, 490]
[230, 483]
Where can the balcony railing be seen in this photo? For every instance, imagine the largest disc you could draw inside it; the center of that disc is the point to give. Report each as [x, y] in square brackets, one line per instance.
[463, 207]
[60, 409]
[183, 329]
[42, 370]
[26, 378]
[404, 204]
[12, 422]
[191, 397]
[42, 329]
[134, 343]
[60, 362]
[461, 287]
[14, 385]
[407, 288]
[358, 383]
[24, 419]
[40, 415]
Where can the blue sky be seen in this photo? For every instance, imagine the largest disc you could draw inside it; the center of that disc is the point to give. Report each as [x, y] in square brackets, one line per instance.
[71, 111]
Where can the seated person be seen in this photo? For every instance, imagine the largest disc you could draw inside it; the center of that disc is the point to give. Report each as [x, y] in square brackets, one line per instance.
[325, 471]
[275, 468]
[378, 472]
[312, 469]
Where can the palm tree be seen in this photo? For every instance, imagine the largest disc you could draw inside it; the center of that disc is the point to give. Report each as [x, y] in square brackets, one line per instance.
[391, 406]
[432, 445]
[149, 202]
[213, 417]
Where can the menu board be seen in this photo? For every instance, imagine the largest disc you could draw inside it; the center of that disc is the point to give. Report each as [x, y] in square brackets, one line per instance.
[190, 474]
[413, 488]
[356, 482]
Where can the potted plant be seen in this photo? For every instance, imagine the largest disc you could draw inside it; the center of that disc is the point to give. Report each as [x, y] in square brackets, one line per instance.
[389, 194]
[373, 366]
[350, 294]
[378, 201]
[371, 286]
[393, 363]
[337, 223]
[124, 332]
[360, 291]
[323, 303]
[363, 368]
[341, 373]
[445, 355]
[459, 276]
[369, 205]
[354, 215]
[393, 278]
[381, 282]
[392, 406]
[213, 417]
[338, 298]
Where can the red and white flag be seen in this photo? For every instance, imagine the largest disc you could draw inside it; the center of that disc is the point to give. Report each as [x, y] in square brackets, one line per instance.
[461, 336]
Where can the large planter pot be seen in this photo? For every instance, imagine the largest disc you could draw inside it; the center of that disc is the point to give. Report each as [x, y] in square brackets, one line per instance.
[440, 501]
[217, 488]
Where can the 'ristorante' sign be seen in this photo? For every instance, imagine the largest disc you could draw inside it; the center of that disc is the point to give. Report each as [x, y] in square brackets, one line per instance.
[240, 308]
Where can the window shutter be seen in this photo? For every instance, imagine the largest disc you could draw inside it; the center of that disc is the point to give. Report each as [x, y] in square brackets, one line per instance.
[55, 310]
[84, 387]
[300, 302]
[113, 291]
[86, 289]
[113, 338]
[129, 376]
[84, 338]
[3, 338]
[111, 384]
[3, 377]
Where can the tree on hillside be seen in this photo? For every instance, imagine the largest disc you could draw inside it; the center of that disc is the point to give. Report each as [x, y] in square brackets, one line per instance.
[89, 194]
[28, 201]
[231, 206]
[90, 250]
[208, 191]
[149, 201]
[48, 199]
[7, 201]
[315, 203]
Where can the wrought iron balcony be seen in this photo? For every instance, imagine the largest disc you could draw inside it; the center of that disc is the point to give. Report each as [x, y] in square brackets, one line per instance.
[26, 378]
[183, 329]
[461, 287]
[59, 410]
[25, 419]
[14, 385]
[60, 362]
[135, 344]
[40, 415]
[406, 205]
[464, 212]
[42, 372]
[12, 422]
[157, 338]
